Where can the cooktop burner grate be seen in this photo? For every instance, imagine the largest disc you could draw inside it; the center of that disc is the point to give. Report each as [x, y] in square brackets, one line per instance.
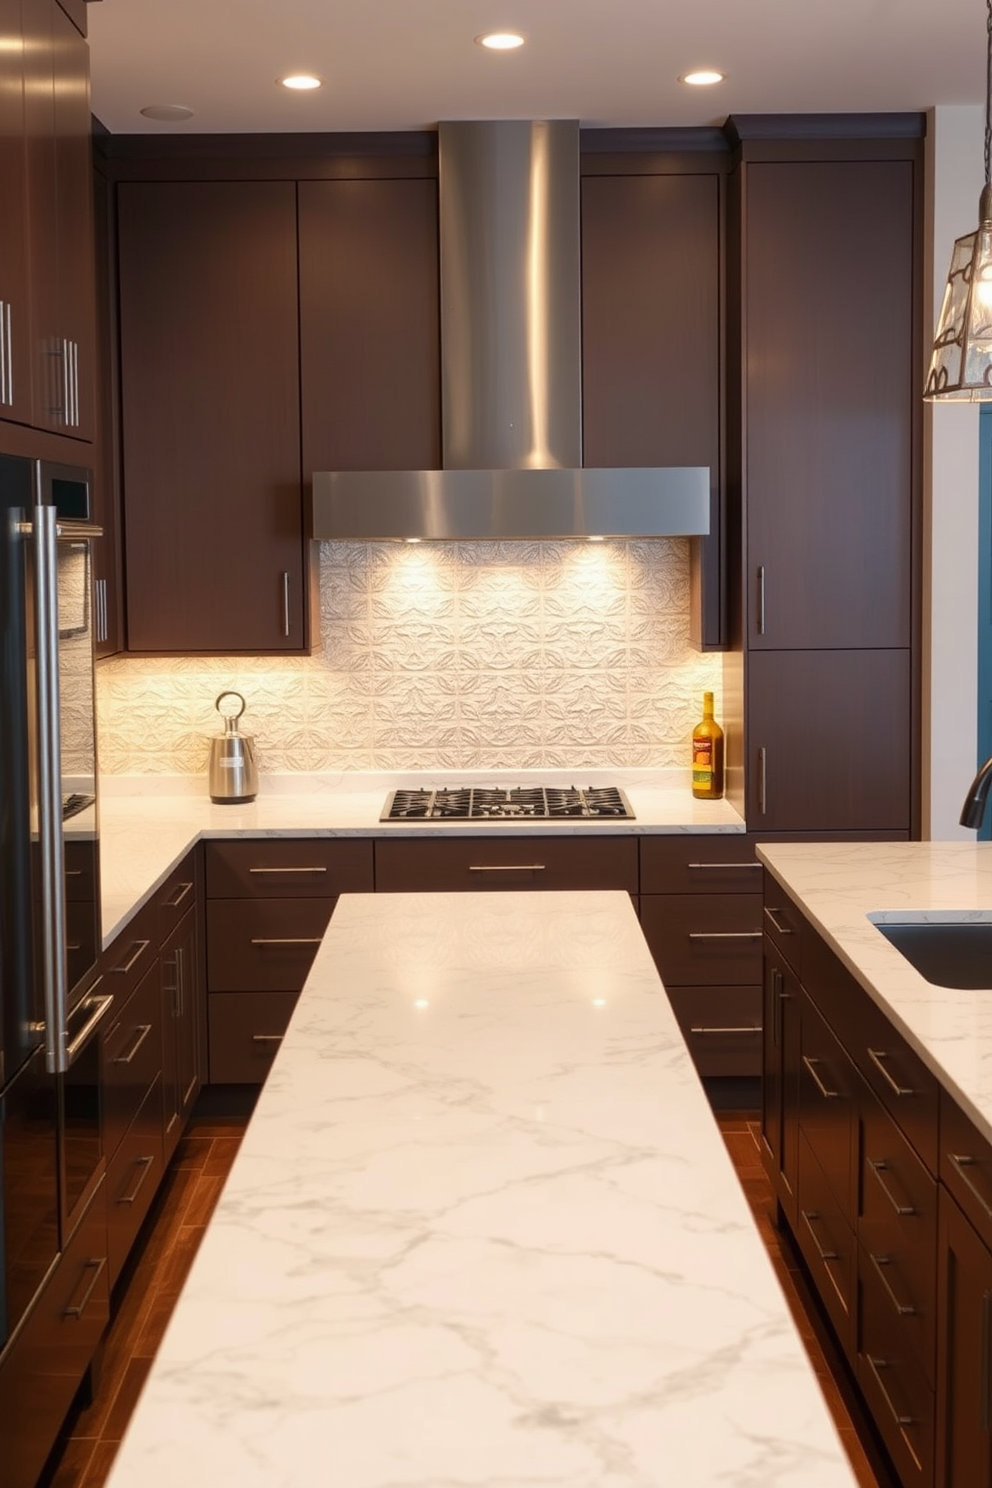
[519, 803]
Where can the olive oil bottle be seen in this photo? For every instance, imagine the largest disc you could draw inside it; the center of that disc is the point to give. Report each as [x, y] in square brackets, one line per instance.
[707, 755]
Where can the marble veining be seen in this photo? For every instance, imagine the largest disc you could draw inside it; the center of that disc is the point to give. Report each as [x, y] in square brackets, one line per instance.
[845, 888]
[482, 1230]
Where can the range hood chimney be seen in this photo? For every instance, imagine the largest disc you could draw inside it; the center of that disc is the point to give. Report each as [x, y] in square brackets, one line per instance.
[511, 390]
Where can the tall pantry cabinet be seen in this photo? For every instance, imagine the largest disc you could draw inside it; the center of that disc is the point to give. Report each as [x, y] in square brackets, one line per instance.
[824, 374]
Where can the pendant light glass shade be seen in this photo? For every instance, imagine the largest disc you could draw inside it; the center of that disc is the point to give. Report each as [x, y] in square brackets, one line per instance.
[961, 365]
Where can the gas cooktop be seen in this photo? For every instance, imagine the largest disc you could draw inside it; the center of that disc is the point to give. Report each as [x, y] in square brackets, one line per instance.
[519, 803]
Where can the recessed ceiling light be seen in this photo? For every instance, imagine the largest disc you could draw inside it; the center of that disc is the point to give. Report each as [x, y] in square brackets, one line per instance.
[703, 77]
[168, 113]
[501, 41]
[300, 82]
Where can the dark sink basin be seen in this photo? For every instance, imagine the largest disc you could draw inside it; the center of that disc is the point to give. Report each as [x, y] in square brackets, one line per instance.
[955, 953]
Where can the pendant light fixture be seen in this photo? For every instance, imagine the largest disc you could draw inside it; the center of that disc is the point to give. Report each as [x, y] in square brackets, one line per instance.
[961, 365]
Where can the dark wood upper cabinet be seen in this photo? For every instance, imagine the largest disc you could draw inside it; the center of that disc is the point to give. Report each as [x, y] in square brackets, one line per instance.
[369, 338]
[651, 338]
[59, 222]
[214, 535]
[15, 363]
[829, 388]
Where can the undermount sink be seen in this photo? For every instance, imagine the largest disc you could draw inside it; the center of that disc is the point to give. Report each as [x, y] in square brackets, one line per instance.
[949, 953]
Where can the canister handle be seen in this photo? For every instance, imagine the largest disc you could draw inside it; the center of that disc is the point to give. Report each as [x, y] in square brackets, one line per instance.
[230, 719]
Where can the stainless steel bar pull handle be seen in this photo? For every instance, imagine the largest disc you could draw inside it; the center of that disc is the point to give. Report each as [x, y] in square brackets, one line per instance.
[51, 847]
[507, 867]
[761, 599]
[725, 934]
[876, 1056]
[878, 1168]
[101, 1007]
[762, 780]
[286, 940]
[142, 1031]
[266, 1038]
[824, 1090]
[904, 1309]
[876, 1365]
[6, 397]
[285, 604]
[96, 1266]
[723, 867]
[962, 1161]
[100, 594]
[301, 868]
[749, 1028]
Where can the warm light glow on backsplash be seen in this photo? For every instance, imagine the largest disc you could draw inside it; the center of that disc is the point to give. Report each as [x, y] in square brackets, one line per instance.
[503, 655]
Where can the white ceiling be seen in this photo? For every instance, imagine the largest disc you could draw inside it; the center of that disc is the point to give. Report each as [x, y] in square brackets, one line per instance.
[404, 64]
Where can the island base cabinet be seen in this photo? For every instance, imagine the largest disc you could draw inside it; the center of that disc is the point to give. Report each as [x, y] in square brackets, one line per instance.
[964, 1353]
[895, 1387]
[182, 1017]
[827, 1242]
[780, 1082]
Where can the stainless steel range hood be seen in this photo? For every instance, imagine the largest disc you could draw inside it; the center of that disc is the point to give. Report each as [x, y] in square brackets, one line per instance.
[510, 369]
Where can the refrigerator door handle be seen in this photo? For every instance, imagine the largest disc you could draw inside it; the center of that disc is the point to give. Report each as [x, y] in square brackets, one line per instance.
[52, 854]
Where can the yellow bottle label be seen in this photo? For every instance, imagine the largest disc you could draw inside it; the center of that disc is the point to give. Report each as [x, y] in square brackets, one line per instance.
[702, 762]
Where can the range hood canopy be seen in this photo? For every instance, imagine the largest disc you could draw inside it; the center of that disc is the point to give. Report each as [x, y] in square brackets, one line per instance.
[511, 392]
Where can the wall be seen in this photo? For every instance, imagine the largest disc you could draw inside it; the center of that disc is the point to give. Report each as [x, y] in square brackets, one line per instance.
[446, 656]
[950, 599]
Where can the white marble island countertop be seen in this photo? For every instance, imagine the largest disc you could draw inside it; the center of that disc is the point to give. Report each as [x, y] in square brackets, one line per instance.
[482, 1230]
[845, 889]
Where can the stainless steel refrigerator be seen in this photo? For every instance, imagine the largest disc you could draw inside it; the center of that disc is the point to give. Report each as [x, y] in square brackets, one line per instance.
[51, 1002]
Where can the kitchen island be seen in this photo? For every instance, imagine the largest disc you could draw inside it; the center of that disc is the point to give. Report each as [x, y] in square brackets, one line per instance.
[482, 1229]
[845, 890]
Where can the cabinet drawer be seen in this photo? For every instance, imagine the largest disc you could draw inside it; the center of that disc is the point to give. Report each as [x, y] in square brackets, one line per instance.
[531, 862]
[258, 945]
[897, 1227]
[129, 957]
[133, 1176]
[966, 1166]
[828, 1107]
[827, 1241]
[246, 1029]
[132, 1058]
[895, 1386]
[720, 864]
[704, 939]
[177, 895]
[899, 1078]
[293, 868]
[721, 1027]
[783, 923]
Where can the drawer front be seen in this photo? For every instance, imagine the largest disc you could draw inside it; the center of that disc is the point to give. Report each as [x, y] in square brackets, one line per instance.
[827, 1241]
[721, 1027]
[828, 1107]
[289, 868]
[246, 1029]
[966, 1166]
[133, 1176]
[899, 1078]
[897, 1227]
[177, 895]
[719, 864]
[132, 1058]
[259, 945]
[531, 862]
[126, 961]
[894, 1384]
[704, 939]
[783, 923]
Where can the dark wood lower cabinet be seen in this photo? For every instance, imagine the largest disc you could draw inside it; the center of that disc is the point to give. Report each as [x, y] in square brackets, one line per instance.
[246, 1029]
[182, 1019]
[133, 1176]
[895, 1386]
[44, 1366]
[964, 1352]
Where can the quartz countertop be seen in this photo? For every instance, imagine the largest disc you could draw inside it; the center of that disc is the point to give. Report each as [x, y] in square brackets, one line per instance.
[482, 1230]
[148, 823]
[839, 885]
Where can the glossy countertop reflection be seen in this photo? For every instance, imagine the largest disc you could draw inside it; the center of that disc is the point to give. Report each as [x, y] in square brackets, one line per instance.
[483, 1229]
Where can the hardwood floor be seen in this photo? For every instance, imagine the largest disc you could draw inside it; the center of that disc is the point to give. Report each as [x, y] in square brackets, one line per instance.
[192, 1186]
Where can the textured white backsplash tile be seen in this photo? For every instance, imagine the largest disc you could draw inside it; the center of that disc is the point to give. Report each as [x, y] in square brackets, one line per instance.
[509, 655]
